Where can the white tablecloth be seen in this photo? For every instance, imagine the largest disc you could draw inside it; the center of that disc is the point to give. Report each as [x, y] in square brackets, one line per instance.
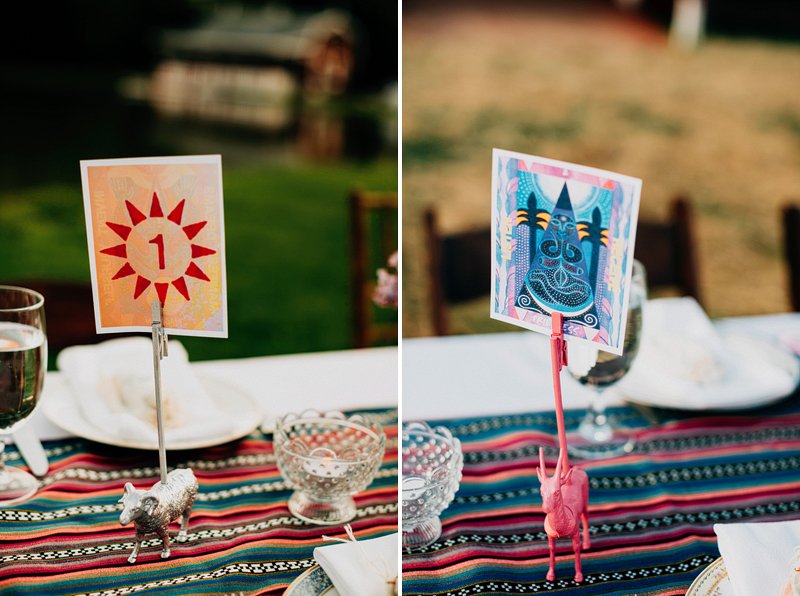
[507, 373]
[341, 380]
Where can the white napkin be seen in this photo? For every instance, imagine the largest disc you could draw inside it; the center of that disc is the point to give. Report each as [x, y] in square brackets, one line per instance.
[113, 386]
[759, 557]
[361, 568]
[680, 339]
[684, 363]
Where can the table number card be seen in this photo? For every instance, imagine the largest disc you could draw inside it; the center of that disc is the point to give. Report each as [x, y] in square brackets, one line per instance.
[563, 241]
[156, 232]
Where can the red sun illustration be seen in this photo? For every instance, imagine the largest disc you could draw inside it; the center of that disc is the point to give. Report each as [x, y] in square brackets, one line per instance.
[158, 250]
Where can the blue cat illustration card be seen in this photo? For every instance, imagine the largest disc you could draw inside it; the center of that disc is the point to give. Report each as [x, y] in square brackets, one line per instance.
[563, 237]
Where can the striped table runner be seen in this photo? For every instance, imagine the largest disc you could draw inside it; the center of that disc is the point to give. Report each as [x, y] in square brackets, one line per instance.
[651, 512]
[242, 538]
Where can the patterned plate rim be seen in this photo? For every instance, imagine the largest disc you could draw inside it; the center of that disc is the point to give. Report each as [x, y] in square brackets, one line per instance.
[303, 577]
[707, 575]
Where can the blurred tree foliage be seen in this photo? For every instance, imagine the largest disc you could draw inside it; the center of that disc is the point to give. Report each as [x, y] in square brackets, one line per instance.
[124, 34]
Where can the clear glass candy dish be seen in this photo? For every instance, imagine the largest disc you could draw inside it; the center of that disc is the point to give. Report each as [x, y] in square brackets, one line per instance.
[327, 457]
[432, 463]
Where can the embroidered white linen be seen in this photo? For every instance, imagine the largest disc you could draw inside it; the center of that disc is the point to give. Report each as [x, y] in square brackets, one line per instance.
[361, 568]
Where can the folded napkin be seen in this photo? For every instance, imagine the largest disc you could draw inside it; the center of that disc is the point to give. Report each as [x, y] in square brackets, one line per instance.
[760, 557]
[362, 568]
[683, 362]
[678, 336]
[113, 386]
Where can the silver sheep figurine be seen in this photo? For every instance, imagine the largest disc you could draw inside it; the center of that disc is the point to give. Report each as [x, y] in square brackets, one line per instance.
[151, 511]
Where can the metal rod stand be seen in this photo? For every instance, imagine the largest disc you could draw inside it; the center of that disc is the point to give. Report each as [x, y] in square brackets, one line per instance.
[159, 352]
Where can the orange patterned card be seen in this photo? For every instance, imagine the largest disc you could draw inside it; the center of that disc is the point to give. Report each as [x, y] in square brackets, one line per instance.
[156, 232]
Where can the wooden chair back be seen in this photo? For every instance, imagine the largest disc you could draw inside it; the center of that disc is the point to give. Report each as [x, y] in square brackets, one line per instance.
[791, 246]
[68, 311]
[373, 238]
[460, 264]
[667, 251]
[459, 268]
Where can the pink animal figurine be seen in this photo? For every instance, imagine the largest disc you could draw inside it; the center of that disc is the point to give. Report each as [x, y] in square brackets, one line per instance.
[565, 500]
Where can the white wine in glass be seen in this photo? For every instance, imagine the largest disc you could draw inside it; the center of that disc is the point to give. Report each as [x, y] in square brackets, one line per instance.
[23, 362]
[597, 436]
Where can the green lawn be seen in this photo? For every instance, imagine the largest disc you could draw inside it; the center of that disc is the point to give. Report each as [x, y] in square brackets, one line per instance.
[287, 251]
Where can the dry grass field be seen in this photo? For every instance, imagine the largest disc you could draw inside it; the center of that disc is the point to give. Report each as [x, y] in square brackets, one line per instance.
[587, 84]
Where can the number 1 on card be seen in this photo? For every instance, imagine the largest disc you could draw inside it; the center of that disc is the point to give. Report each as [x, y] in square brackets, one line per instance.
[159, 242]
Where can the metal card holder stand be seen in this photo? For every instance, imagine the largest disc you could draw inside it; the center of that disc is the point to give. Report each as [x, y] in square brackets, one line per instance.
[565, 494]
[160, 351]
[151, 511]
[558, 359]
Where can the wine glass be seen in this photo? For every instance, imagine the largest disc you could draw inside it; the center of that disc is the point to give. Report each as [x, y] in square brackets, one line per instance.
[23, 362]
[597, 437]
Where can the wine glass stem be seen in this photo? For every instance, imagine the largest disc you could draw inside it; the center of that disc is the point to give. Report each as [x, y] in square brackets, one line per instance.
[598, 407]
[595, 426]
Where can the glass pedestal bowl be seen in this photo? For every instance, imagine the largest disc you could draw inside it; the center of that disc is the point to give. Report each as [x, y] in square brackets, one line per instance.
[327, 458]
[432, 464]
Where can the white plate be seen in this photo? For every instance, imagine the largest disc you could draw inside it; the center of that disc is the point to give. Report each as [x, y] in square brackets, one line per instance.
[713, 581]
[761, 371]
[62, 409]
[313, 582]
